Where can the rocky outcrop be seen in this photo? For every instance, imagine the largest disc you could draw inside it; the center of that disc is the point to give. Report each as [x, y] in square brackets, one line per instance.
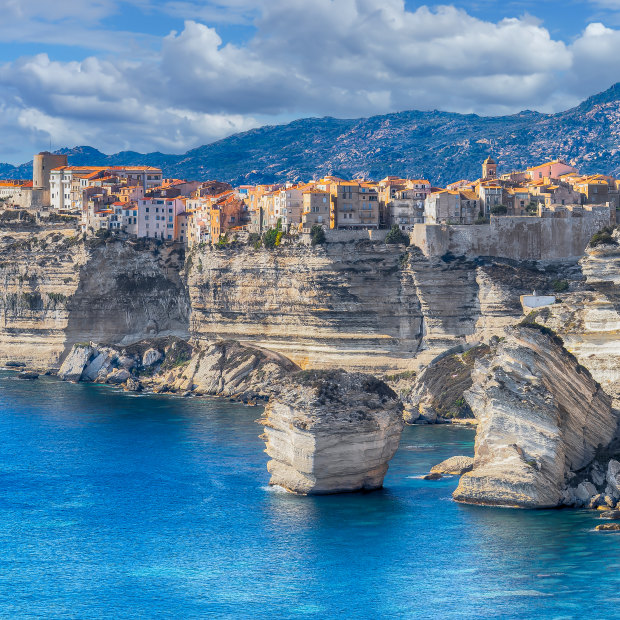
[170, 364]
[541, 416]
[437, 393]
[227, 368]
[101, 363]
[331, 432]
[455, 465]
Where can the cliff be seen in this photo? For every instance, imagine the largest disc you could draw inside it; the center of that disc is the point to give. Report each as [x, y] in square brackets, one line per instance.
[363, 306]
[541, 417]
[331, 432]
[57, 289]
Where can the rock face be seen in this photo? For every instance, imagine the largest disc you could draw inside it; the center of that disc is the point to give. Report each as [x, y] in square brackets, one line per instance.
[170, 364]
[362, 306]
[331, 432]
[455, 465]
[227, 368]
[57, 290]
[438, 391]
[541, 416]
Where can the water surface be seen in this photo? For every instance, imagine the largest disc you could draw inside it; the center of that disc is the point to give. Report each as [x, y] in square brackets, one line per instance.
[121, 506]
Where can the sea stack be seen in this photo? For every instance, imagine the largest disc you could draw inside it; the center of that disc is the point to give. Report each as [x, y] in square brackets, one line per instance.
[541, 417]
[331, 432]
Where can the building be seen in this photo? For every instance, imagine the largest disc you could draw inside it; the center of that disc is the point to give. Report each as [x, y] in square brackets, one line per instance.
[551, 170]
[354, 205]
[489, 169]
[451, 207]
[316, 205]
[67, 183]
[157, 218]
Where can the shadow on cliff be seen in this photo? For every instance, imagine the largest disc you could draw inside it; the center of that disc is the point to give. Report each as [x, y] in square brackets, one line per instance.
[128, 291]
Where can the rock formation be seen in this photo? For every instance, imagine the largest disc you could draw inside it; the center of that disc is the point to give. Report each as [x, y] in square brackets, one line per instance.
[437, 393]
[225, 368]
[541, 416]
[455, 465]
[331, 432]
[57, 290]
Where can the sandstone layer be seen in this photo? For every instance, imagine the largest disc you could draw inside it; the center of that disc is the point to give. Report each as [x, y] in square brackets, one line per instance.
[359, 305]
[331, 432]
[541, 416]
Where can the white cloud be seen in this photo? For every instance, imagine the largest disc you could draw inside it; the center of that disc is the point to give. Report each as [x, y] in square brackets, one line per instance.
[339, 57]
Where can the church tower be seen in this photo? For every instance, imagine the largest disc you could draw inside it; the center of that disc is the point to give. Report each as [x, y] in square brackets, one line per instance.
[489, 168]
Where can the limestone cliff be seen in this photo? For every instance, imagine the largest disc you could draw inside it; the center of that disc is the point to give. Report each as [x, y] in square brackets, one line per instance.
[57, 289]
[588, 316]
[540, 416]
[331, 432]
[358, 305]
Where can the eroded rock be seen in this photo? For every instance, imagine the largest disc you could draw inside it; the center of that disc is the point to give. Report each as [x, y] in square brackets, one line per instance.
[331, 432]
[540, 415]
[455, 465]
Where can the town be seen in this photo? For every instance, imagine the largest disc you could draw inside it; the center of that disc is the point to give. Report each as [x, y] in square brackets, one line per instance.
[138, 201]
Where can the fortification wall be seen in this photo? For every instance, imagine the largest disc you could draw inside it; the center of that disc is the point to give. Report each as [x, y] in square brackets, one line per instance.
[517, 238]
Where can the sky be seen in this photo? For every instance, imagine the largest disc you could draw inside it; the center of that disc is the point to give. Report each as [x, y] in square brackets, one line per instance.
[170, 75]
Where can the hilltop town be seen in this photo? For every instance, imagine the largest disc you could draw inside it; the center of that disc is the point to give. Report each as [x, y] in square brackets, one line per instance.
[138, 201]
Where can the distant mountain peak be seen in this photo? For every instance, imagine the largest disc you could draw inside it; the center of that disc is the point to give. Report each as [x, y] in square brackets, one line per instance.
[440, 146]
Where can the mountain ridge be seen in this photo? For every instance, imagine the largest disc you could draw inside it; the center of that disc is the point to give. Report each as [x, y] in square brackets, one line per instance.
[441, 146]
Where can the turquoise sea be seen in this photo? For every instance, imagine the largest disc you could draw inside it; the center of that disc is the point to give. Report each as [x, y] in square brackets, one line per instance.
[121, 506]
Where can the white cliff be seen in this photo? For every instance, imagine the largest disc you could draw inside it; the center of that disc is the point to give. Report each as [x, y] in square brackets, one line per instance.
[541, 416]
[331, 432]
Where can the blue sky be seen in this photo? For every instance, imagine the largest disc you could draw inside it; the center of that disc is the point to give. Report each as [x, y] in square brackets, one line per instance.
[169, 75]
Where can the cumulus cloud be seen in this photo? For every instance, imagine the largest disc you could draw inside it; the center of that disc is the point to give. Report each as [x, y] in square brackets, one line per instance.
[335, 57]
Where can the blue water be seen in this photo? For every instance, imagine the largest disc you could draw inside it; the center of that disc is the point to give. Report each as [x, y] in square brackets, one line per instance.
[119, 506]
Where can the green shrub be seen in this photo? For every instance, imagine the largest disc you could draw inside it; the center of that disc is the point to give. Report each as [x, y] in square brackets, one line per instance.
[396, 235]
[559, 286]
[499, 210]
[270, 238]
[603, 237]
[317, 235]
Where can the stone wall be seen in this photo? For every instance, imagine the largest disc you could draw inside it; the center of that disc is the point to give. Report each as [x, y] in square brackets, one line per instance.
[516, 238]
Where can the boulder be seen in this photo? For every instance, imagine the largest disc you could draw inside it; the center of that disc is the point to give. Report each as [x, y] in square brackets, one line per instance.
[540, 416]
[133, 385]
[613, 477]
[118, 376]
[610, 514]
[151, 356]
[456, 465]
[75, 362]
[585, 491]
[608, 527]
[331, 432]
[433, 476]
[27, 375]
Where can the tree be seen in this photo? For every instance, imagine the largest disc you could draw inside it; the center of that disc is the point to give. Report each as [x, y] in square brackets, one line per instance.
[396, 235]
[499, 210]
[317, 235]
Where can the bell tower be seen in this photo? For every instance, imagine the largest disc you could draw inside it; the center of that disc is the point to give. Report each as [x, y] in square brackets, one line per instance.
[489, 168]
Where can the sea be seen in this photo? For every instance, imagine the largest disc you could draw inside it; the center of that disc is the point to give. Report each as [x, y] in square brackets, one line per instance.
[117, 505]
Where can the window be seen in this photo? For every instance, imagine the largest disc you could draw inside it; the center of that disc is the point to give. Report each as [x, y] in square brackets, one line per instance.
[170, 218]
[147, 210]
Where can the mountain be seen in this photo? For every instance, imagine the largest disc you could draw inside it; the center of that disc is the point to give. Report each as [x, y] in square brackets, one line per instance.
[440, 146]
